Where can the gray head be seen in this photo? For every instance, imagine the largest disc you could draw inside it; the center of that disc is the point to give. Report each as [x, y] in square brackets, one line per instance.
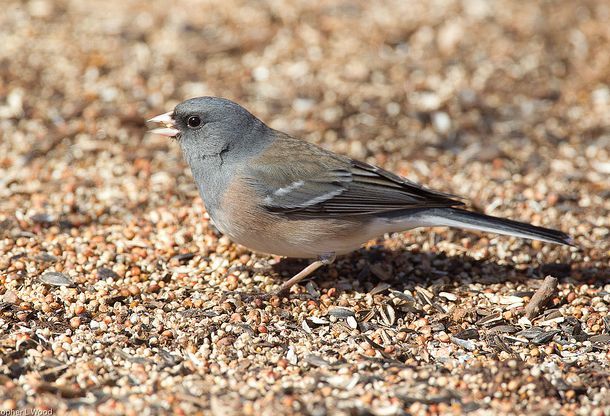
[213, 134]
[209, 127]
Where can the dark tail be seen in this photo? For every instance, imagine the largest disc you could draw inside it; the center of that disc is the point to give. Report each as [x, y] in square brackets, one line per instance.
[459, 218]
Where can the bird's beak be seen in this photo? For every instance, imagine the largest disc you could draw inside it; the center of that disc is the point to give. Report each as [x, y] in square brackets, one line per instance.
[170, 129]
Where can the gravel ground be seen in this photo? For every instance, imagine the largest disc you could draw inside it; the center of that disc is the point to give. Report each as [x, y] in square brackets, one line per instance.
[117, 295]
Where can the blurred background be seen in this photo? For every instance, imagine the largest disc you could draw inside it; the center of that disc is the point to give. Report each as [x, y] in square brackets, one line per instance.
[445, 92]
[505, 102]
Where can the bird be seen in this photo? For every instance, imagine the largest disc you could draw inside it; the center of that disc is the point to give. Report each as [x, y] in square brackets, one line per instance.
[277, 194]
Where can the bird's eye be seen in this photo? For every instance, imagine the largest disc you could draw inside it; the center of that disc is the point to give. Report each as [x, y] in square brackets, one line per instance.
[194, 122]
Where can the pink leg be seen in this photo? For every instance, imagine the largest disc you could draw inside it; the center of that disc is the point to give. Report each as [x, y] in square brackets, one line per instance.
[323, 260]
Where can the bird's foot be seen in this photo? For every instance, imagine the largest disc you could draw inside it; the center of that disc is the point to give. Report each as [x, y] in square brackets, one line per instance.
[284, 290]
[278, 295]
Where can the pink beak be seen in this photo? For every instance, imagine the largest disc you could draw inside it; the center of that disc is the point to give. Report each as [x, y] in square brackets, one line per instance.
[170, 129]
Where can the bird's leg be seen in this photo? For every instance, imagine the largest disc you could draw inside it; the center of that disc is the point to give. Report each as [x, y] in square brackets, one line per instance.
[284, 291]
[323, 260]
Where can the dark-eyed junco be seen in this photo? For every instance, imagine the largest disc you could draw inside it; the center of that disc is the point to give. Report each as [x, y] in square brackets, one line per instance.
[280, 195]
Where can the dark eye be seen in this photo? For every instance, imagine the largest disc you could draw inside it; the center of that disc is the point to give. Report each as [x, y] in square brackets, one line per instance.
[193, 122]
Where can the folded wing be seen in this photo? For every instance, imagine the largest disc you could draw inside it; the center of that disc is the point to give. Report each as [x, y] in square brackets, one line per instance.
[329, 184]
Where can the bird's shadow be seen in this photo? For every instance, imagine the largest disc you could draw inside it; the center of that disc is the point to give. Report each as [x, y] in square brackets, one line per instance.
[364, 269]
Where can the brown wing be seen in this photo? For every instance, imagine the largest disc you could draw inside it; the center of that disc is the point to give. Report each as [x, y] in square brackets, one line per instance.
[310, 181]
